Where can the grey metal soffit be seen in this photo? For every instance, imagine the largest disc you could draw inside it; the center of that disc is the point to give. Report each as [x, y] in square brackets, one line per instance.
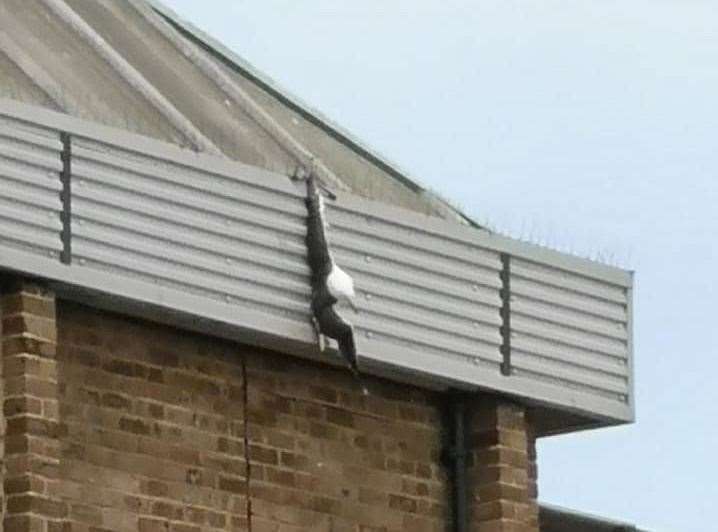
[222, 244]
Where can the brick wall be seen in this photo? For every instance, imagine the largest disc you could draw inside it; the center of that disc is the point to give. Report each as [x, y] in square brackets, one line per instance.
[501, 468]
[164, 430]
[156, 423]
[31, 459]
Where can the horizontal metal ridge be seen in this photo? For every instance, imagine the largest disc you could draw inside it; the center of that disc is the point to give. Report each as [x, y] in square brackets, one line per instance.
[562, 371]
[23, 143]
[30, 195]
[567, 280]
[157, 169]
[185, 257]
[50, 142]
[170, 193]
[24, 128]
[424, 336]
[410, 276]
[400, 253]
[186, 209]
[583, 389]
[569, 299]
[446, 369]
[564, 336]
[158, 219]
[442, 350]
[231, 246]
[27, 158]
[32, 215]
[408, 322]
[583, 357]
[471, 313]
[554, 314]
[29, 176]
[418, 237]
[26, 234]
[170, 274]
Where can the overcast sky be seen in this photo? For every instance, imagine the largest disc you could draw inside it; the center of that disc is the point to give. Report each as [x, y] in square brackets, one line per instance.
[590, 126]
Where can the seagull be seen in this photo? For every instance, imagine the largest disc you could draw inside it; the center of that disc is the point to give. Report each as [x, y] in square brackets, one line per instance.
[330, 284]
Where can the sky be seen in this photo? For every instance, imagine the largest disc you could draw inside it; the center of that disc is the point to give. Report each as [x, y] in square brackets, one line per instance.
[588, 126]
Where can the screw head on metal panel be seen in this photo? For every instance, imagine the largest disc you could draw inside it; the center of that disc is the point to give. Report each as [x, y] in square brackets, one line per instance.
[369, 334]
[367, 296]
[367, 258]
[475, 287]
[82, 261]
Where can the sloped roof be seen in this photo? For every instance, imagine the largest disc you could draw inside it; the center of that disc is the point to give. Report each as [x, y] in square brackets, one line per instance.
[134, 64]
[557, 519]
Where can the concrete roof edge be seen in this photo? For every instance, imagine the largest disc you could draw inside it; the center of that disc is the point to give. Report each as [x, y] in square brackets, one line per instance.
[307, 111]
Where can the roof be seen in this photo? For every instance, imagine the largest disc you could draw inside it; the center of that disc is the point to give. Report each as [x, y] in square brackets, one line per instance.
[557, 519]
[134, 64]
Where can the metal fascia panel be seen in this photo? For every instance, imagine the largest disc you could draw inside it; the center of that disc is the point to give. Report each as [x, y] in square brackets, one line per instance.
[221, 245]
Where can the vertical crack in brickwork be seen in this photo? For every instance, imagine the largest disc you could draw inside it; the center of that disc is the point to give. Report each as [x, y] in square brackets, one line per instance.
[247, 459]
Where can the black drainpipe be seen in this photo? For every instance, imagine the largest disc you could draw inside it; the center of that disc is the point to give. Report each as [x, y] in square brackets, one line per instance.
[455, 456]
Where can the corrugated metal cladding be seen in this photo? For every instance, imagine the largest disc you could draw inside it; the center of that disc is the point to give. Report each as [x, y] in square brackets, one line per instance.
[30, 205]
[420, 295]
[223, 243]
[570, 330]
[234, 238]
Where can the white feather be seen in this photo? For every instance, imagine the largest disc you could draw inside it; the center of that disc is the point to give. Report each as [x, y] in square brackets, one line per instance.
[340, 284]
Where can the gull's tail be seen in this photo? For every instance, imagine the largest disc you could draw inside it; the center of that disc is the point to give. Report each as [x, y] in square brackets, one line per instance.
[347, 349]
